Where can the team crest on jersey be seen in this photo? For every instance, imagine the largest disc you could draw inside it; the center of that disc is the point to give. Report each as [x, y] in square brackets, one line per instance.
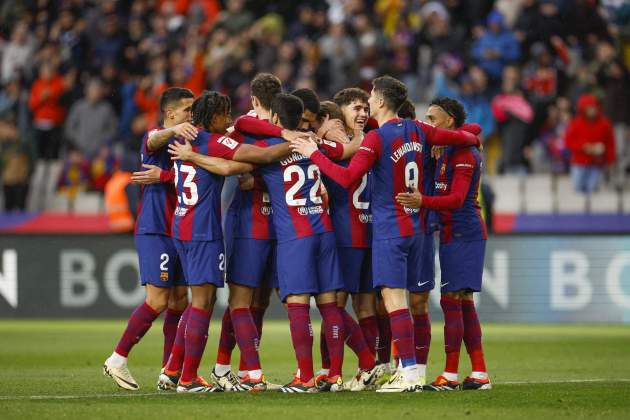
[443, 169]
[164, 276]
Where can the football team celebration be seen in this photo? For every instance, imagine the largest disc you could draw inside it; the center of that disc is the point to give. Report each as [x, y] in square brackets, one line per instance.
[335, 199]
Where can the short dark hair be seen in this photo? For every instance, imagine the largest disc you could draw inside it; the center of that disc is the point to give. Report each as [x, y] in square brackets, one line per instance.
[452, 107]
[265, 86]
[330, 109]
[289, 109]
[209, 104]
[172, 95]
[393, 91]
[347, 96]
[407, 110]
[309, 99]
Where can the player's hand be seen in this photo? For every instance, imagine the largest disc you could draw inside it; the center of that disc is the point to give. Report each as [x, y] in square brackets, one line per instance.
[151, 175]
[412, 200]
[180, 151]
[292, 135]
[471, 128]
[185, 130]
[333, 130]
[437, 151]
[246, 182]
[305, 147]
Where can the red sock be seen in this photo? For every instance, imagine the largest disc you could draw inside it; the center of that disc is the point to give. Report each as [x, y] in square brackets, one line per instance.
[302, 338]
[323, 348]
[227, 341]
[356, 341]
[369, 327]
[422, 337]
[334, 330]
[196, 338]
[139, 323]
[176, 359]
[402, 335]
[472, 336]
[258, 314]
[384, 347]
[246, 337]
[171, 319]
[453, 331]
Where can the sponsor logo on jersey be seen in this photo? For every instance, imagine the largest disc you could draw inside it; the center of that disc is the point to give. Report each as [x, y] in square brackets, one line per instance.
[266, 210]
[464, 165]
[365, 218]
[442, 186]
[413, 146]
[228, 142]
[410, 210]
[305, 211]
[181, 211]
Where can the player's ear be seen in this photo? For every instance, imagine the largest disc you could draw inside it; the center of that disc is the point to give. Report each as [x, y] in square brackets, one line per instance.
[255, 102]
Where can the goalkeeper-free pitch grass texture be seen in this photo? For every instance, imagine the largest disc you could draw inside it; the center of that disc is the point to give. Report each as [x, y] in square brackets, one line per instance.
[572, 371]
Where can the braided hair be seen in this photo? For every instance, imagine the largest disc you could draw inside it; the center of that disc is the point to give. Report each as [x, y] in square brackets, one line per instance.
[209, 104]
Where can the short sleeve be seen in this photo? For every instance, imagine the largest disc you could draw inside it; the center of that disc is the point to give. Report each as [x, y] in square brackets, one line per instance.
[332, 149]
[224, 147]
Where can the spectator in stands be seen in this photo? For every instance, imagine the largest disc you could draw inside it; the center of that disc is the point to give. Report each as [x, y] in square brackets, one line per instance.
[552, 136]
[591, 140]
[340, 53]
[513, 114]
[15, 164]
[17, 55]
[496, 47]
[91, 122]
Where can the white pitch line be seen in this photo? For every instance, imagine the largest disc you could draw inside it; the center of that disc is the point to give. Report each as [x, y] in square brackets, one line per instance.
[159, 394]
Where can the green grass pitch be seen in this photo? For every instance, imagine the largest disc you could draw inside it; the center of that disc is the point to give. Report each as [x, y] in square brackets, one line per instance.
[571, 371]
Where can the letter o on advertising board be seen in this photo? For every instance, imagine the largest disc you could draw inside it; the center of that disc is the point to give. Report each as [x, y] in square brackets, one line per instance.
[114, 265]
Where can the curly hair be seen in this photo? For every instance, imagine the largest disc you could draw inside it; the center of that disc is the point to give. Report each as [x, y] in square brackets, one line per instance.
[209, 104]
[452, 107]
[347, 96]
[330, 109]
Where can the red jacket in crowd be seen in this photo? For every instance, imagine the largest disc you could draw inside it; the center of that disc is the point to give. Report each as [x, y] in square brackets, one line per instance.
[590, 140]
[44, 101]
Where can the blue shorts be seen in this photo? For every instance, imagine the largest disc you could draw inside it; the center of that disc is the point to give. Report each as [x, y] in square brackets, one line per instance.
[427, 267]
[397, 262]
[159, 263]
[203, 262]
[252, 261]
[461, 264]
[309, 265]
[356, 269]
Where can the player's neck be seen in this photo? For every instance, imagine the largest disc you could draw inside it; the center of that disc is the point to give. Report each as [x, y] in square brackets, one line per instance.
[168, 124]
[385, 116]
[263, 114]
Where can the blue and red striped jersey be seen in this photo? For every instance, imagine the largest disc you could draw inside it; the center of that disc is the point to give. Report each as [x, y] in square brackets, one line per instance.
[158, 201]
[198, 213]
[457, 178]
[350, 211]
[295, 190]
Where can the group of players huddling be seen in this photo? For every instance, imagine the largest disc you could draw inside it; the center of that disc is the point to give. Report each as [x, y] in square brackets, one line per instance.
[334, 199]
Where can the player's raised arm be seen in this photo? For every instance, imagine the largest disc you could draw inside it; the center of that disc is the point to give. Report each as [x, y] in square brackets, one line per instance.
[464, 164]
[159, 138]
[466, 135]
[360, 163]
[218, 166]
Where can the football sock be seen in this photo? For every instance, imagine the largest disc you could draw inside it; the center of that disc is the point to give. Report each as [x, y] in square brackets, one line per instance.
[227, 341]
[176, 359]
[139, 323]
[472, 337]
[323, 348]
[117, 360]
[333, 323]
[258, 314]
[369, 327]
[356, 341]
[453, 332]
[255, 374]
[402, 335]
[196, 338]
[246, 337]
[171, 319]
[302, 338]
[384, 348]
[422, 337]
[222, 370]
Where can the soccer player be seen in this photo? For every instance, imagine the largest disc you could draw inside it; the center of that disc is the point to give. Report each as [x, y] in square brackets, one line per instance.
[395, 153]
[198, 237]
[160, 270]
[351, 217]
[462, 248]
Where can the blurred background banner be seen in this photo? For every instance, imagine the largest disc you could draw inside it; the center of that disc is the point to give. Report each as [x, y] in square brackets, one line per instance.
[527, 278]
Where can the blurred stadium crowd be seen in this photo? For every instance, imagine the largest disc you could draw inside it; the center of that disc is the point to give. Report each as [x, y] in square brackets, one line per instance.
[547, 79]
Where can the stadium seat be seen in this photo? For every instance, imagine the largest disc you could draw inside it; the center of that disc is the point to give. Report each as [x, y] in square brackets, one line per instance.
[59, 203]
[508, 190]
[567, 200]
[605, 201]
[89, 203]
[538, 194]
[625, 200]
